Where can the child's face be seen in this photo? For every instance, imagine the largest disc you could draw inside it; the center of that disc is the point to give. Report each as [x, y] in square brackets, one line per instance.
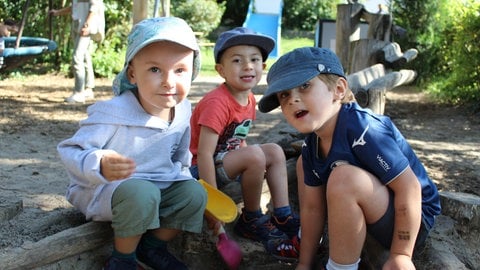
[162, 72]
[309, 107]
[241, 66]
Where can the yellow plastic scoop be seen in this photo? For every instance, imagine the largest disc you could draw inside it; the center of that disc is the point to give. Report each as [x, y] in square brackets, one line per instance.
[219, 204]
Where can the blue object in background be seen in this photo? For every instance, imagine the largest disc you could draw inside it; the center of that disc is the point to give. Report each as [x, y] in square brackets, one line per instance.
[265, 17]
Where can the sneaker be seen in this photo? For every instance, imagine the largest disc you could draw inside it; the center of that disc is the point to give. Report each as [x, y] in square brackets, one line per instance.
[77, 97]
[158, 258]
[258, 229]
[229, 251]
[114, 263]
[88, 93]
[285, 250]
[290, 225]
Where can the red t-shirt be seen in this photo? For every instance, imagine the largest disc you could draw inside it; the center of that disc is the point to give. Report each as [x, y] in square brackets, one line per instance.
[219, 111]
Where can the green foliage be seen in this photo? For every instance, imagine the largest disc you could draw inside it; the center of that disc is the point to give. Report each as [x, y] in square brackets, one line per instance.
[449, 56]
[304, 14]
[202, 15]
[458, 78]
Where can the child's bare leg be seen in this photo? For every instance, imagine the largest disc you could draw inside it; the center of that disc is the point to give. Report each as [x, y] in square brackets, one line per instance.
[165, 234]
[250, 162]
[354, 198]
[276, 174]
[126, 245]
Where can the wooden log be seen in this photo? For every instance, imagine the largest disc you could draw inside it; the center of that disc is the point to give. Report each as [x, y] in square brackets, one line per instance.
[370, 84]
[393, 57]
[358, 80]
[374, 99]
[64, 244]
[392, 80]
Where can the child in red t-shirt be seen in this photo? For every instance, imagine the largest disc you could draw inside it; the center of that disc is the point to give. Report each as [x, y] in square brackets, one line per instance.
[220, 124]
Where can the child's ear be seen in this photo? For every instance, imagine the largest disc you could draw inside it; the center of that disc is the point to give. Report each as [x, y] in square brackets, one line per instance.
[130, 74]
[219, 69]
[341, 88]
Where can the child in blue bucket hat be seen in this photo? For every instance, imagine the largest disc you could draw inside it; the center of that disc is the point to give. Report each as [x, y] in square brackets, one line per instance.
[129, 161]
[355, 167]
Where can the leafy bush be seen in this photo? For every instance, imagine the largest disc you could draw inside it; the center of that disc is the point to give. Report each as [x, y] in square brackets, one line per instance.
[202, 15]
[303, 15]
[458, 78]
[448, 63]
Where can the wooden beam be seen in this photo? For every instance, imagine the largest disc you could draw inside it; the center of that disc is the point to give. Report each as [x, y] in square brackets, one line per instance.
[58, 246]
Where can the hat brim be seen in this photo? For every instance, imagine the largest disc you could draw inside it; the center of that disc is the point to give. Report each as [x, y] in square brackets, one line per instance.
[265, 43]
[122, 82]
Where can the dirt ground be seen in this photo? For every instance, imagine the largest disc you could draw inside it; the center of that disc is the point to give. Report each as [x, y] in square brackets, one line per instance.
[34, 119]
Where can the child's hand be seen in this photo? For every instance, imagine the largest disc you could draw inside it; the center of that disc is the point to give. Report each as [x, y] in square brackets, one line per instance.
[398, 261]
[114, 166]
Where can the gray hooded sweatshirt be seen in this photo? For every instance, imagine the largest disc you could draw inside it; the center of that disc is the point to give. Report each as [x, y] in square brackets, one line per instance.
[159, 149]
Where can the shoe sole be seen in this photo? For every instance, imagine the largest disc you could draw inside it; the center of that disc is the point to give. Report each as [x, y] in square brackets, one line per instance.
[285, 259]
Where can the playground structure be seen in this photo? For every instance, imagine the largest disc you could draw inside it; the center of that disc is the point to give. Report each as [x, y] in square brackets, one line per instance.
[372, 63]
[19, 50]
[265, 17]
[29, 48]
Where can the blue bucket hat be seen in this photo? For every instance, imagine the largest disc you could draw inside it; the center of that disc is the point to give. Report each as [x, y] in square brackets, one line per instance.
[294, 69]
[153, 30]
[243, 36]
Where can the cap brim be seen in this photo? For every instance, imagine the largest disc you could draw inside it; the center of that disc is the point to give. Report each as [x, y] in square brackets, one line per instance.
[283, 82]
[265, 43]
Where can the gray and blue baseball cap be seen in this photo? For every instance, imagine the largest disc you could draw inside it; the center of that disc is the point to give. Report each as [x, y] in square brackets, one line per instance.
[243, 36]
[152, 30]
[296, 68]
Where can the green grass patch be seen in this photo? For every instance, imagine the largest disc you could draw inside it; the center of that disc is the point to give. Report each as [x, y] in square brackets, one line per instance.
[286, 45]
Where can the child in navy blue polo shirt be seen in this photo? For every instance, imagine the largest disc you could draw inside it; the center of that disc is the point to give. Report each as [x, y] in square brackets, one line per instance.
[356, 168]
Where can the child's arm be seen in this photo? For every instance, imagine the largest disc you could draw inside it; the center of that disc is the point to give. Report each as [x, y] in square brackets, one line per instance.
[207, 144]
[312, 216]
[60, 12]
[408, 212]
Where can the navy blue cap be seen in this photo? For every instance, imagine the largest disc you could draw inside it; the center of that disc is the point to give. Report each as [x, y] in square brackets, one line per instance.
[296, 68]
[243, 36]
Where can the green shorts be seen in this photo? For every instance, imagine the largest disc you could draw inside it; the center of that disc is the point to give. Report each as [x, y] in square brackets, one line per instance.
[139, 205]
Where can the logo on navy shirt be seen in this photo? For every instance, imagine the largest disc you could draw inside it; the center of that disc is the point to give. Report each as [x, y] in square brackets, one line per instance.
[361, 140]
[383, 163]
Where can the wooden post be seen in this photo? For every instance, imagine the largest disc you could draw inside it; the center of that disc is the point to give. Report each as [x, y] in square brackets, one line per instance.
[166, 8]
[140, 10]
[379, 25]
[363, 54]
[347, 27]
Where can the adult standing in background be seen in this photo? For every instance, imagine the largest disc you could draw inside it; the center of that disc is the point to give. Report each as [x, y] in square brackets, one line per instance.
[83, 19]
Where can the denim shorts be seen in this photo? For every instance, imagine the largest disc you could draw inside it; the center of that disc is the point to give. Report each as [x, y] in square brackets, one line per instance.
[220, 174]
